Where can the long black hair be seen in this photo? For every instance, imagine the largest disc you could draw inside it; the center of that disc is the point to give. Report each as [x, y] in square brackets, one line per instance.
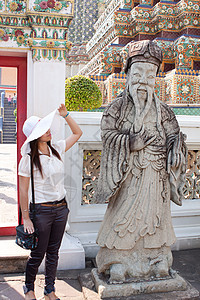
[35, 155]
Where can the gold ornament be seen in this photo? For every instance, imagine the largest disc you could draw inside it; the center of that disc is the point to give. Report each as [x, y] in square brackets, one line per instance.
[30, 42]
[20, 39]
[58, 5]
[50, 44]
[13, 6]
[2, 32]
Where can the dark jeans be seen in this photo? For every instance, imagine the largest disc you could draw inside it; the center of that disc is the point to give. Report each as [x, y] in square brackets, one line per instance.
[50, 223]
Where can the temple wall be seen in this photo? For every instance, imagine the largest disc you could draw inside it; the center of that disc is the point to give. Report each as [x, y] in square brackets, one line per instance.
[82, 161]
[46, 86]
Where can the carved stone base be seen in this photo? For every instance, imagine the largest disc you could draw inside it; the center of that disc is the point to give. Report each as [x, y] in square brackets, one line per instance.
[177, 283]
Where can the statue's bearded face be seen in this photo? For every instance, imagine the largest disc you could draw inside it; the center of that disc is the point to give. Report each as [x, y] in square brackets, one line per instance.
[141, 79]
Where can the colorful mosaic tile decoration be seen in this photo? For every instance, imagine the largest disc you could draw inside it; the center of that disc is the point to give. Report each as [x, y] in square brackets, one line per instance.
[82, 26]
[41, 26]
[174, 26]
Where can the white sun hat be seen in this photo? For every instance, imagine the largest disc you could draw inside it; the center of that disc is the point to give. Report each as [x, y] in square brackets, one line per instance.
[34, 127]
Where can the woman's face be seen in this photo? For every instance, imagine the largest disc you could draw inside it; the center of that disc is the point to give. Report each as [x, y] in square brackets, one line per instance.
[45, 137]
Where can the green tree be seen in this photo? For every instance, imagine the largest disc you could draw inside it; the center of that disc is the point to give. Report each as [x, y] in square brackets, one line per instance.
[82, 93]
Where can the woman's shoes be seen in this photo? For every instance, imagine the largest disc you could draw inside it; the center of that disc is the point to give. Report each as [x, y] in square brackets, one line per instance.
[29, 294]
[47, 297]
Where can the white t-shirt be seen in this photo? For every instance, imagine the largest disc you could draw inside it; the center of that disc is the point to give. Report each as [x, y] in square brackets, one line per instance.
[50, 187]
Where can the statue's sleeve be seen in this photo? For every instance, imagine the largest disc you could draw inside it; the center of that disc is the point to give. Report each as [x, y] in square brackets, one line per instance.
[169, 122]
[115, 154]
[176, 154]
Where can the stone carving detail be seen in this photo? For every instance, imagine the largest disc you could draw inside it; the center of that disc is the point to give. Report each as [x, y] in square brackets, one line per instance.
[192, 186]
[143, 167]
[91, 169]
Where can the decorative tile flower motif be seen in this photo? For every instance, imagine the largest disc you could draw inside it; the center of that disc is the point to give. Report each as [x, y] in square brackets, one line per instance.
[19, 36]
[3, 35]
[19, 7]
[58, 5]
[50, 5]
[50, 44]
[20, 39]
[13, 6]
[185, 89]
[18, 32]
[117, 88]
[2, 32]
[43, 5]
[5, 38]
[16, 6]
[180, 48]
[186, 22]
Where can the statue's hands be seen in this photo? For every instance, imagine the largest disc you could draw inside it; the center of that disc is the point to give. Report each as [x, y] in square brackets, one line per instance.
[140, 140]
[175, 157]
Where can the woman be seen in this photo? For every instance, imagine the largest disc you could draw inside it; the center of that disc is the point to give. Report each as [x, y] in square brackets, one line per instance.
[51, 207]
[9, 100]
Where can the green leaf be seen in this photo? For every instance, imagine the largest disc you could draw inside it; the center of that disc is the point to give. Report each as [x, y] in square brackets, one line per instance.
[82, 93]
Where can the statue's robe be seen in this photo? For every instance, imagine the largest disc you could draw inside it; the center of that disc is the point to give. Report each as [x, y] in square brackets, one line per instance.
[136, 183]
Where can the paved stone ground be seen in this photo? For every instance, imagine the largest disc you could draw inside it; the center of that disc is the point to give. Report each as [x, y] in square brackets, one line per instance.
[187, 263]
[77, 284]
[8, 184]
[67, 286]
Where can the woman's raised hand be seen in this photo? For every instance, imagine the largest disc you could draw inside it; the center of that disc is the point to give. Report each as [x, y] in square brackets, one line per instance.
[62, 110]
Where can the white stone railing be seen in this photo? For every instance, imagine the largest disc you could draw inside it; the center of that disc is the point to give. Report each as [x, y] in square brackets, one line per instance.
[100, 32]
[86, 215]
[109, 10]
[92, 65]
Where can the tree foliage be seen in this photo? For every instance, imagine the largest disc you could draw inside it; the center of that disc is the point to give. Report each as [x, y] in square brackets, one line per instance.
[82, 93]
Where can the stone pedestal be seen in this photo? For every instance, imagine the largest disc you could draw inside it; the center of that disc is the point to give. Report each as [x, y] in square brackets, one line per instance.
[168, 287]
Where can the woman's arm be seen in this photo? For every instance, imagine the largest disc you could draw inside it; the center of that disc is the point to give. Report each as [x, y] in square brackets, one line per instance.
[76, 131]
[23, 196]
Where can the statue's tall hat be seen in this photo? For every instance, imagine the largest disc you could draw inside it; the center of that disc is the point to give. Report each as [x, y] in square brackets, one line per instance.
[143, 51]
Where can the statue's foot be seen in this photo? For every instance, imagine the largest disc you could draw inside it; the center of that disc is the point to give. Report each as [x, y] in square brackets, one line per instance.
[172, 273]
[117, 273]
[162, 270]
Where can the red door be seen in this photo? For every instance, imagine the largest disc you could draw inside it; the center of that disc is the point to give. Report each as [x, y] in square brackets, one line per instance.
[21, 64]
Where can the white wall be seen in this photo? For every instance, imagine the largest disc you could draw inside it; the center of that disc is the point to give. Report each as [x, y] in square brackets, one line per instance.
[85, 220]
[46, 88]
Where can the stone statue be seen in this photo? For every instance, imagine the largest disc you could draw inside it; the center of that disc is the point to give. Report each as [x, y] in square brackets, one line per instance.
[142, 168]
